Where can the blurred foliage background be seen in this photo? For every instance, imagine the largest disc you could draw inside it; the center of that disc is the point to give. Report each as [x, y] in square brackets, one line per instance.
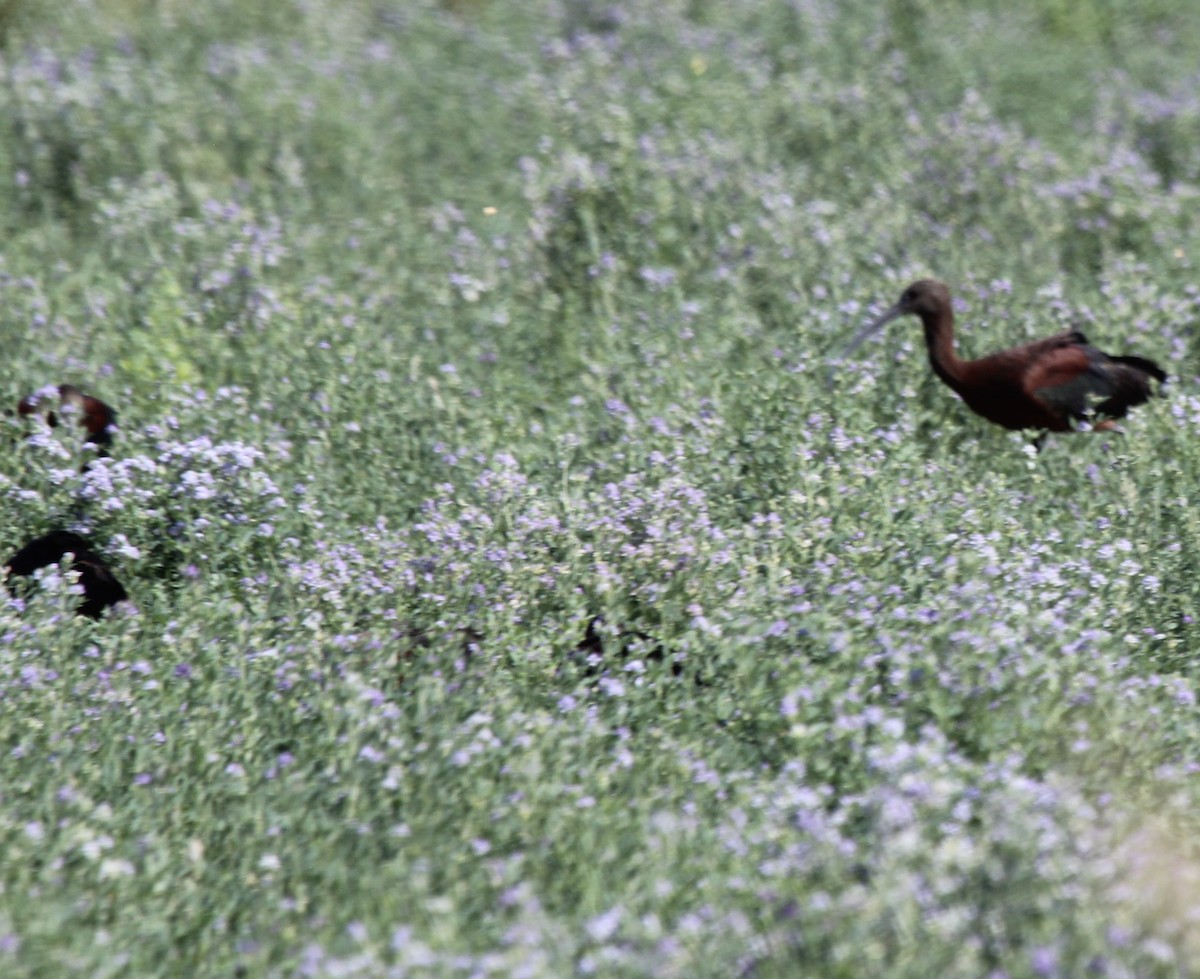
[439, 330]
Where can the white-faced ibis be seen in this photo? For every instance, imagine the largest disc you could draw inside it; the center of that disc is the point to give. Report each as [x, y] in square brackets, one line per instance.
[1051, 384]
[95, 417]
[100, 586]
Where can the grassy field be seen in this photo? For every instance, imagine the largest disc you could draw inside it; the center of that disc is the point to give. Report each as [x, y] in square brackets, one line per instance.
[438, 330]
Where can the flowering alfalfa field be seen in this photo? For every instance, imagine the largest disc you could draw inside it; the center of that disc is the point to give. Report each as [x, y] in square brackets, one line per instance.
[437, 331]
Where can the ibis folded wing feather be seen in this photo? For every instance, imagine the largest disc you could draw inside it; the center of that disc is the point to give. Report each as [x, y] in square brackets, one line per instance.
[1079, 381]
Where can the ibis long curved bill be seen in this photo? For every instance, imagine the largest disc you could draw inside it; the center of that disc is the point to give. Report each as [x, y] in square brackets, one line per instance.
[873, 327]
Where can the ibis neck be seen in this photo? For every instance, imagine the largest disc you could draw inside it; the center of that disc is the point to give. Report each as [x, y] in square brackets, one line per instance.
[939, 339]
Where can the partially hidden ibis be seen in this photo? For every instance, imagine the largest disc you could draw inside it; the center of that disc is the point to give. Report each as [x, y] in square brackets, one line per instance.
[1051, 385]
[101, 588]
[95, 417]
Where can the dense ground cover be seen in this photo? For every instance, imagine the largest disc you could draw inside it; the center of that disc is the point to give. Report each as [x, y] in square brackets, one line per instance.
[438, 330]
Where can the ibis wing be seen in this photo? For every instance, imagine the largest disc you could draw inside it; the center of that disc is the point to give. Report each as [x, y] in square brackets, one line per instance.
[1078, 380]
[1066, 382]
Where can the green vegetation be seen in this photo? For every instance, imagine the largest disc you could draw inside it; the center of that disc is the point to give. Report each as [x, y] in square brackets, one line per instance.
[436, 331]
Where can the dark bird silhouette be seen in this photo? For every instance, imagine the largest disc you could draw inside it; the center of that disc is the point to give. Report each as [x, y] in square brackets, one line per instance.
[95, 417]
[100, 586]
[600, 644]
[1051, 384]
